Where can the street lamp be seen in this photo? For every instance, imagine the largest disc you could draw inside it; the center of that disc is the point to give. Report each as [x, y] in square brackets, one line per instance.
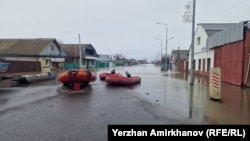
[166, 43]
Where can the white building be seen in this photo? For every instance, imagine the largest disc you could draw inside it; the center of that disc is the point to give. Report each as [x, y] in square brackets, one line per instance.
[204, 57]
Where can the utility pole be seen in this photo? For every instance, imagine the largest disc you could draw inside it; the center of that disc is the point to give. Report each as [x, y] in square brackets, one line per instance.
[166, 48]
[178, 58]
[80, 53]
[188, 17]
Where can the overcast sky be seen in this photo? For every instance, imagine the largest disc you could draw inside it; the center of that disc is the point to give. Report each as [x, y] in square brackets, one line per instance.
[115, 26]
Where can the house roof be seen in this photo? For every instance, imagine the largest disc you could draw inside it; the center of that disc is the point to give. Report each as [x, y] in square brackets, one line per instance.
[183, 54]
[103, 57]
[212, 28]
[72, 50]
[229, 35]
[27, 47]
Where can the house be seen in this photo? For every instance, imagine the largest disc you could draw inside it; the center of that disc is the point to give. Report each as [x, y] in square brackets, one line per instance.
[232, 53]
[38, 55]
[204, 57]
[225, 46]
[88, 55]
[178, 60]
[105, 61]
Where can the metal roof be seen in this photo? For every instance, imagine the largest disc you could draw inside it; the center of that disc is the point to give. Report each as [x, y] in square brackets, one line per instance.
[183, 54]
[103, 57]
[228, 35]
[25, 47]
[212, 28]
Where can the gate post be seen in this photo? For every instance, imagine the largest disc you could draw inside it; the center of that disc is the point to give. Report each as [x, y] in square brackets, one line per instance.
[215, 83]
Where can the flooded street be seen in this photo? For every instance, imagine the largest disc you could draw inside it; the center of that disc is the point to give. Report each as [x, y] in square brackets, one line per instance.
[234, 107]
[172, 90]
[44, 111]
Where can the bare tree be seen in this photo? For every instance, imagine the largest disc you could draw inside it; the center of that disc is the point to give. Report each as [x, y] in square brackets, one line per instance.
[119, 56]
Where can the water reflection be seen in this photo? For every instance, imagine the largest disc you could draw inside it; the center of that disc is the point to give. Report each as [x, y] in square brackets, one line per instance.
[125, 86]
[234, 107]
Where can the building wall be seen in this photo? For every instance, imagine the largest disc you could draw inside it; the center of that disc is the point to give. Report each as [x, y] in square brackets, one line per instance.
[111, 64]
[209, 55]
[88, 63]
[199, 43]
[246, 59]
[200, 33]
[230, 59]
[45, 64]
[182, 65]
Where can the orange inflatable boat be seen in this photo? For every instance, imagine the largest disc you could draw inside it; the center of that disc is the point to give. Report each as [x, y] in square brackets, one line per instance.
[79, 76]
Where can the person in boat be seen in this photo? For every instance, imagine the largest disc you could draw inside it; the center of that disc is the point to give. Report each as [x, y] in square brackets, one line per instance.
[128, 74]
[113, 71]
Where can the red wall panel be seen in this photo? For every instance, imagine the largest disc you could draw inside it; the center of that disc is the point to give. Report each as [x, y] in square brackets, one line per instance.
[229, 59]
[245, 59]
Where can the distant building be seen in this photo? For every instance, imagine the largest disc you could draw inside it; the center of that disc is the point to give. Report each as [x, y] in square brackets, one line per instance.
[178, 60]
[88, 56]
[105, 61]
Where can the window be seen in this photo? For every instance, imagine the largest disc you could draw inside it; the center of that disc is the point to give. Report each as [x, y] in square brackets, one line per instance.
[208, 64]
[47, 63]
[198, 40]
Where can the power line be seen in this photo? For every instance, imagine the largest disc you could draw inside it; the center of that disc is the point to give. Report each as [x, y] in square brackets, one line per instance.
[222, 12]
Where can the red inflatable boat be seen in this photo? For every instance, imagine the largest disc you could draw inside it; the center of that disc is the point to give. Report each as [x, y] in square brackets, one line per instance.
[115, 79]
[103, 75]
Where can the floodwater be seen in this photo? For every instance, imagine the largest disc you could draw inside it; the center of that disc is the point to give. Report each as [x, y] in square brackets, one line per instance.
[173, 91]
[170, 90]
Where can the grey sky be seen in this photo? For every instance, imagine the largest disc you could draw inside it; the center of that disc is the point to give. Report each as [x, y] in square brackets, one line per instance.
[115, 26]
